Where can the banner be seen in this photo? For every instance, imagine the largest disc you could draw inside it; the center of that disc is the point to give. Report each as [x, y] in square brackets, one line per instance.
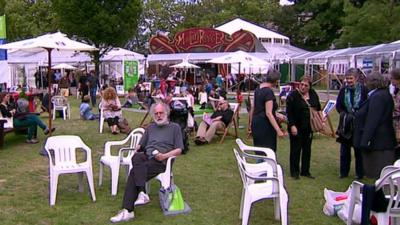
[3, 33]
[131, 74]
[3, 53]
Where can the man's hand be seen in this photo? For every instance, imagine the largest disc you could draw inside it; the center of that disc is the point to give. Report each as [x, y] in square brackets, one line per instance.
[161, 157]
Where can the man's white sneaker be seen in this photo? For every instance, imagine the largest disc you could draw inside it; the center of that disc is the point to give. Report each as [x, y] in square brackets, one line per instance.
[142, 199]
[123, 215]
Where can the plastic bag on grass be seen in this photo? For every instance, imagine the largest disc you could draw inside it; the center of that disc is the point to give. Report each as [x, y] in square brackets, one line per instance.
[334, 201]
[343, 214]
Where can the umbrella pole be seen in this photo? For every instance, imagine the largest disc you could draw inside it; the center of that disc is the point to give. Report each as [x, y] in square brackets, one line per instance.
[49, 88]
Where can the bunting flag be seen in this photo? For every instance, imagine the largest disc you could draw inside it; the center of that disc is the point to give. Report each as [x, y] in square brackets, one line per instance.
[3, 36]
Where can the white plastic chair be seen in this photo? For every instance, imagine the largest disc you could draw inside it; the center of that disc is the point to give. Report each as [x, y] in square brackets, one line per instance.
[115, 161]
[247, 148]
[61, 103]
[164, 178]
[269, 185]
[390, 178]
[64, 161]
[101, 119]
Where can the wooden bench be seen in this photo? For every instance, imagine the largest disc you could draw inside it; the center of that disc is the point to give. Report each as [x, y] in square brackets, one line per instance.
[4, 131]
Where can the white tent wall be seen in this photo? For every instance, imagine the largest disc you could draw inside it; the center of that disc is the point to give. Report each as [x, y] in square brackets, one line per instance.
[17, 73]
[115, 70]
[4, 73]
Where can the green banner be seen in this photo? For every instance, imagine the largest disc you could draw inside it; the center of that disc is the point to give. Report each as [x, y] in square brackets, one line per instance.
[3, 33]
[131, 74]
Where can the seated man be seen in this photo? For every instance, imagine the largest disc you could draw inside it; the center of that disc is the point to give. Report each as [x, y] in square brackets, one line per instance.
[162, 139]
[214, 99]
[219, 119]
[131, 98]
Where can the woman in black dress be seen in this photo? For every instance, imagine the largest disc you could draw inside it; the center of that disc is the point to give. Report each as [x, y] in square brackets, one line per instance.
[300, 133]
[264, 125]
[373, 127]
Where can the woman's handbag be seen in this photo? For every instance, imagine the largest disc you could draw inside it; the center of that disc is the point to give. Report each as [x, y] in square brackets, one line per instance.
[316, 121]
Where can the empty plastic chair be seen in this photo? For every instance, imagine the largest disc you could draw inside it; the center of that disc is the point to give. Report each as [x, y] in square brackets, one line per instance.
[268, 186]
[61, 151]
[60, 103]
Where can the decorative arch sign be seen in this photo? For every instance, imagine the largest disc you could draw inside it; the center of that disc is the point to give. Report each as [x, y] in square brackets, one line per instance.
[203, 40]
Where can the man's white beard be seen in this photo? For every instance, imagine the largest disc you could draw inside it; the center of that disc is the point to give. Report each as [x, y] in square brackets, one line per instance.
[161, 123]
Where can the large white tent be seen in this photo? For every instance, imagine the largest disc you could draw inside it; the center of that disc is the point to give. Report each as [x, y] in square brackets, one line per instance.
[28, 61]
[260, 32]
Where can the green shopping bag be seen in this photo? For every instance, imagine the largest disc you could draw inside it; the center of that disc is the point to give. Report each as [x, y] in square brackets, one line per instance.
[176, 200]
[171, 201]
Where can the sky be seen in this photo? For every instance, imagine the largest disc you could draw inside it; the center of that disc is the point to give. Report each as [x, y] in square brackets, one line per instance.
[285, 2]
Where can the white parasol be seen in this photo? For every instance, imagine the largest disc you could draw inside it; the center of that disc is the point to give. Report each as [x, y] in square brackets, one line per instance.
[48, 42]
[185, 64]
[64, 66]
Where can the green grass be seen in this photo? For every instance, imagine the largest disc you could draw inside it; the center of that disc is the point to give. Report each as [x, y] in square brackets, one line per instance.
[207, 175]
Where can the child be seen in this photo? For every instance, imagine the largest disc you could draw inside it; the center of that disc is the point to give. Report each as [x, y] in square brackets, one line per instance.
[131, 98]
[86, 110]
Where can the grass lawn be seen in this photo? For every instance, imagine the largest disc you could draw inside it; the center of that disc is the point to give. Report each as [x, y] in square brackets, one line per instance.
[207, 175]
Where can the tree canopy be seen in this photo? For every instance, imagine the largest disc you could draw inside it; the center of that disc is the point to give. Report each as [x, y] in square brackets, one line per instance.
[102, 23]
[27, 19]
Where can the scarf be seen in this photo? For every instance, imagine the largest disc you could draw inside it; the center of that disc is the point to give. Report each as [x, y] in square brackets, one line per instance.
[356, 98]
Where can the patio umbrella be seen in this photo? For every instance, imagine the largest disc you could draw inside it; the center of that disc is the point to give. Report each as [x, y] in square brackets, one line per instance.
[64, 66]
[48, 42]
[185, 65]
[120, 54]
[241, 58]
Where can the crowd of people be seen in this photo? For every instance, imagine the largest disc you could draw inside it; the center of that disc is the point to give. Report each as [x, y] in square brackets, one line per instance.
[369, 122]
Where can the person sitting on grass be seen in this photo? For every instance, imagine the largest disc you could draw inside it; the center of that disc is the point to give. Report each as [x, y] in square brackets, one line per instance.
[23, 118]
[218, 120]
[131, 98]
[85, 109]
[161, 140]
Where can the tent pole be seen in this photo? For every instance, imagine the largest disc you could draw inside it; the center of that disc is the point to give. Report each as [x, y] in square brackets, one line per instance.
[49, 88]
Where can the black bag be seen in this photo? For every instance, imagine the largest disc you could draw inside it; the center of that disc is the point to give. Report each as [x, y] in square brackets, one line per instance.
[345, 127]
[123, 126]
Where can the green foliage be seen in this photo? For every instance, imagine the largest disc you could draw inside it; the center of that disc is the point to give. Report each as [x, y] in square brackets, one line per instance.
[106, 24]
[209, 13]
[26, 19]
[318, 23]
[103, 23]
[375, 22]
[158, 15]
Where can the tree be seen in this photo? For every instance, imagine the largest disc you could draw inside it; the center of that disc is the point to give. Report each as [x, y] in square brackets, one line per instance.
[375, 22]
[157, 16]
[210, 13]
[27, 19]
[318, 22]
[105, 24]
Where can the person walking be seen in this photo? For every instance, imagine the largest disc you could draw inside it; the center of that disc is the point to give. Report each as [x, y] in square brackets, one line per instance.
[93, 83]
